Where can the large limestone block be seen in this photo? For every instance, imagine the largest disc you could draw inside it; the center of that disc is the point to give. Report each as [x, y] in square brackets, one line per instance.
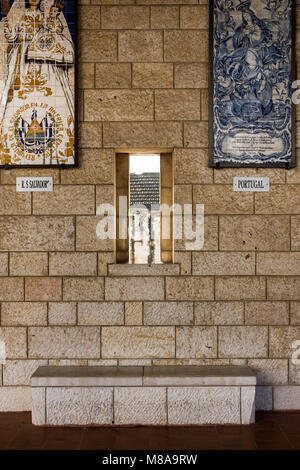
[204, 405]
[283, 288]
[65, 200]
[190, 288]
[15, 399]
[43, 288]
[119, 105]
[23, 313]
[83, 288]
[193, 76]
[15, 342]
[219, 313]
[87, 236]
[64, 342]
[141, 46]
[88, 17]
[246, 233]
[243, 341]
[207, 264]
[12, 202]
[142, 134]
[131, 288]
[164, 17]
[196, 342]
[113, 76]
[100, 313]
[168, 313]
[62, 313]
[104, 46]
[28, 264]
[79, 405]
[177, 105]
[138, 342]
[240, 288]
[125, 17]
[186, 46]
[276, 264]
[11, 289]
[73, 264]
[152, 75]
[266, 313]
[143, 405]
[195, 133]
[37, 233]
[191, 167]
[210, 235]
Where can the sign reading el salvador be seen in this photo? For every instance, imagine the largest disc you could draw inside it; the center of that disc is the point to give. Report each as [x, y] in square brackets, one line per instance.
[34, 184]
[37, 87]
[252, 116]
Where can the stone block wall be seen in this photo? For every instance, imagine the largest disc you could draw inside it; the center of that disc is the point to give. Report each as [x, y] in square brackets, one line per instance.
[143, 83]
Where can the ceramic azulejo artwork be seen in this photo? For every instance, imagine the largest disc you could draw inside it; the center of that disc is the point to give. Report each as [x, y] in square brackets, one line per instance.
[252, 70]
[37, 86]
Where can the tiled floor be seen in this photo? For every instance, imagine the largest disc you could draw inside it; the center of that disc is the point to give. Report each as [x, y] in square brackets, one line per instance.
[271, 431]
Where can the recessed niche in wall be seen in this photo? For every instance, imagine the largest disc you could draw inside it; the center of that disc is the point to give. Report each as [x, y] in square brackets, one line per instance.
[145, 230]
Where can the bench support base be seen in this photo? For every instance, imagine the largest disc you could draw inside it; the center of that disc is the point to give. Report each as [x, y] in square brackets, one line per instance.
[156, 405]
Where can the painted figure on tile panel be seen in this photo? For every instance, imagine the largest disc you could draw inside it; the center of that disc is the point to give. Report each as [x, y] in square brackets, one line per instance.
[36, 83]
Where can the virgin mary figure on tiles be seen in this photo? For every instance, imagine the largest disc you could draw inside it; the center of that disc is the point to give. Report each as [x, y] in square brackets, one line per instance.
[36, 83]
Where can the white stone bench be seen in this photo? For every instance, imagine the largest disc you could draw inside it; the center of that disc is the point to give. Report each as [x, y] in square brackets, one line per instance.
[63, 395]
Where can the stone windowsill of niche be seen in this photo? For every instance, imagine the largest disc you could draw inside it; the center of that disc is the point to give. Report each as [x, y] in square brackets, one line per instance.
[167, 269]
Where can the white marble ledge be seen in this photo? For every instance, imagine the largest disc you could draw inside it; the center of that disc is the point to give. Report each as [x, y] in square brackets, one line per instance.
[198, 375]
[167, 269]
[85, 376]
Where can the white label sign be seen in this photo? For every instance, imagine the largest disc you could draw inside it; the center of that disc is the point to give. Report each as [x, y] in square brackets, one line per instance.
[31, 184]
[251, 184]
